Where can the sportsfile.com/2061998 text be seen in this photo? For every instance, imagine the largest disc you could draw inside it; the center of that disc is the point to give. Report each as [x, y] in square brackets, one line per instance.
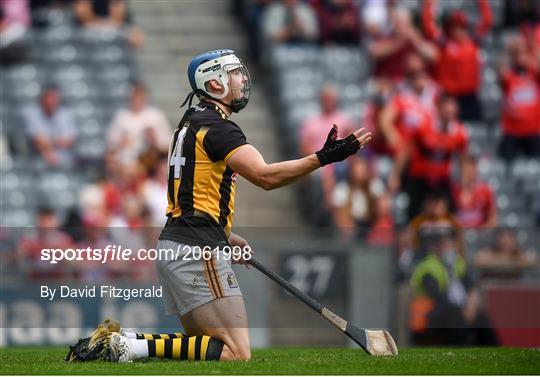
[118, 253]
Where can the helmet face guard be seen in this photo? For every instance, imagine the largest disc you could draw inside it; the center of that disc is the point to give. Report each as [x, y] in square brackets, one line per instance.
[238, 103]
[218, 65]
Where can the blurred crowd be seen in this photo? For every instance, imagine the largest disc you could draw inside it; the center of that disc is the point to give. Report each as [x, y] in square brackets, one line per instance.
[426, 75]
[425, 80]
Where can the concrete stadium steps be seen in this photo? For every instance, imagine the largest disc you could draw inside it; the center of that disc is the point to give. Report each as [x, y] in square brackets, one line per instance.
[193, 44]
[181, 7]
[175, 31]
[193, 23]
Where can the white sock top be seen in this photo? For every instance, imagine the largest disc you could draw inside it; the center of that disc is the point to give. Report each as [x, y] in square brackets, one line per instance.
[139, 348]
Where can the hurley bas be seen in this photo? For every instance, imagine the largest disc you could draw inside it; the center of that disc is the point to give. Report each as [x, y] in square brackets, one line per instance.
[108, 291]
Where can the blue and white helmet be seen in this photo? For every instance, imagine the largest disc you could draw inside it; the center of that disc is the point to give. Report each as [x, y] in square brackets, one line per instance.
[216, 65]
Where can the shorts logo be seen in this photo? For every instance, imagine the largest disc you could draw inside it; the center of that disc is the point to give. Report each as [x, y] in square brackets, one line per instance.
[198, 279]
[232, 281]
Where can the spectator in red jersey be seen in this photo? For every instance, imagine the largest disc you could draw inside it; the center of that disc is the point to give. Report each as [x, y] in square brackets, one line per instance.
[520, 81]
[372, 113]
[412, 106]
[105, 198]
[475, 205]
[429, 155]
[457, 68]
[389, 49]
[338, 22]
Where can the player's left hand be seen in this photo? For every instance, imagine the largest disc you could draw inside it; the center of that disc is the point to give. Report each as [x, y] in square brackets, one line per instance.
[236, 240]
[335, 150]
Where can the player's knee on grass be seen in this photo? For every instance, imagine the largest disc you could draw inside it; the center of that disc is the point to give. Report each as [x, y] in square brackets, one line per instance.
[235, 353]
[244, 354]
[226, 354]
[238, 343]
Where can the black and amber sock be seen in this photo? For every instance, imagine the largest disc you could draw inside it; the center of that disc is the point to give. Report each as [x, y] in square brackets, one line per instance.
[188, 348]
[159, 336]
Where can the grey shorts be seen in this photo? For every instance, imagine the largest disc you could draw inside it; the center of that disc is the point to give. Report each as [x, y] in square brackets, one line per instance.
[189, 280]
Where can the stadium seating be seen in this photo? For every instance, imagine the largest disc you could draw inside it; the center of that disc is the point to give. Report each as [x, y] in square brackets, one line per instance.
[93, 71]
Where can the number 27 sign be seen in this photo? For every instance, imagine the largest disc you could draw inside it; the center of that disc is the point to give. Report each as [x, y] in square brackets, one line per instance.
[317, 274]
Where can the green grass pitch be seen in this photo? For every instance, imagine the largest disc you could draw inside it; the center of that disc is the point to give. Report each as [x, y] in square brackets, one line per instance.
[49, 360]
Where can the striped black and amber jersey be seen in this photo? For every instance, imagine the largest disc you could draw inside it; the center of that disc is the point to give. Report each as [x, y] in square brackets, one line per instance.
[201, 187]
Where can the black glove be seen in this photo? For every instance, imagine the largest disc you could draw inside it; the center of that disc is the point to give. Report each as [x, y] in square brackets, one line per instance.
[335, 150]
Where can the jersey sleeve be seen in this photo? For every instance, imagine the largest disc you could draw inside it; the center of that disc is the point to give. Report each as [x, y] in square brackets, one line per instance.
[222, 139]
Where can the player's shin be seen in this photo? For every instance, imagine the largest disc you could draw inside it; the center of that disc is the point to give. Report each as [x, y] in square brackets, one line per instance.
[189, 348]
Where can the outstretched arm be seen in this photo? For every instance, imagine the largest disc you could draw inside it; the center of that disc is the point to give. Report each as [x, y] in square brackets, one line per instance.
[431, 29]
[486, 18]
[250, 164]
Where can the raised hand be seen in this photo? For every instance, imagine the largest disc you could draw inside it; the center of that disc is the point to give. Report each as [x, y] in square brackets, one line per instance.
[335, 149]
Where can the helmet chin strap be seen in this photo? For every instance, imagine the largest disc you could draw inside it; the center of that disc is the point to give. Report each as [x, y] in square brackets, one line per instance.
[235, 106]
